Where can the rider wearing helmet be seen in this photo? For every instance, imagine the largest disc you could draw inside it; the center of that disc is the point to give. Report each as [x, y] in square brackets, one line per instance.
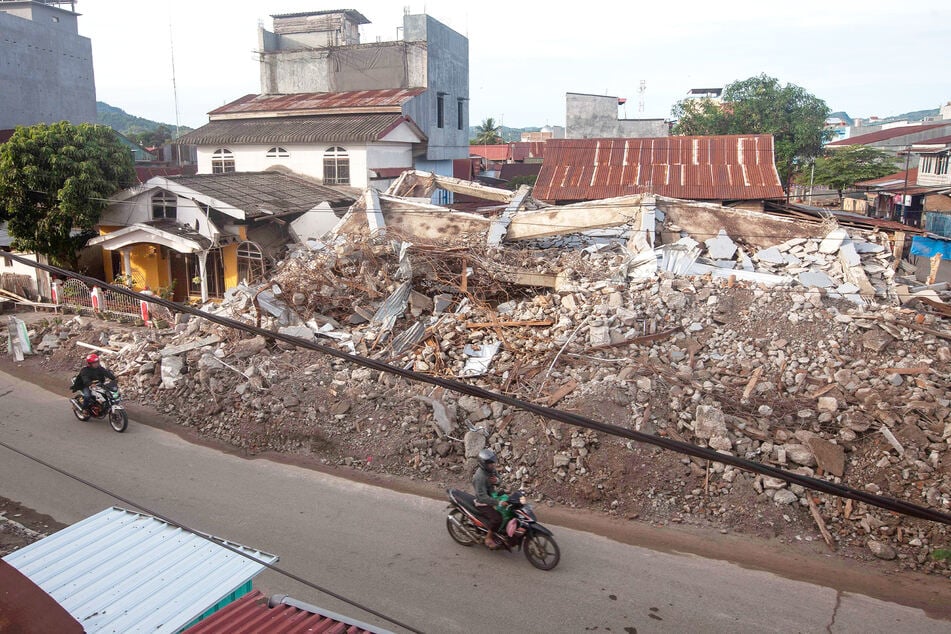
[484, 481]
[91, 373]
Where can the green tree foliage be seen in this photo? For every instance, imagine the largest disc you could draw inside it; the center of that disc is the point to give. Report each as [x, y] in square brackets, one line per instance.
[152, 138]
[842, 168]
[54, 179]
[487, 133]
[761, 105]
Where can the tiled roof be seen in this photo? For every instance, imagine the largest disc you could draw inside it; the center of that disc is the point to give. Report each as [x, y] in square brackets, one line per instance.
[342, 128]
[5, 134]
[735, 167]
[319, 102]
[884, 135]
[257, 193]
[253, 613]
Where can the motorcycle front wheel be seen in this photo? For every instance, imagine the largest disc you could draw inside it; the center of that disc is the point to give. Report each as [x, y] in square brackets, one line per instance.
[541, 551]
[119, 420]
[459, 535]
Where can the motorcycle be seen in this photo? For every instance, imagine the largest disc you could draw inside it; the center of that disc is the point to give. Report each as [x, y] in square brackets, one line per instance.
[521, 530]
[106, 402]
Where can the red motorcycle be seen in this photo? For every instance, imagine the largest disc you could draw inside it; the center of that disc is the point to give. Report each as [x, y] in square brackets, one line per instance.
[522, 530]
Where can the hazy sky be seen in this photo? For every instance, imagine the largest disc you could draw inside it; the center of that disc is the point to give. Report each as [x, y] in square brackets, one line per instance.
[866, 57]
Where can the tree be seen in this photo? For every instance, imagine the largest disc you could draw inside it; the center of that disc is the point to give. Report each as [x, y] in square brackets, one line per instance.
[487, 133]
[56, 178]
[761, 105]
[841, 168]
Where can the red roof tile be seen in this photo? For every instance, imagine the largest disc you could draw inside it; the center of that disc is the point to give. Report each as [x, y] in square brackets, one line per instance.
[316, 102]
[884, 135]
[251, 613]
[735, 167]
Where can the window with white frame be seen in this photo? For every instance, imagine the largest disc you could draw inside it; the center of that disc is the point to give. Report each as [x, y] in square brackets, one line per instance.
[251, 263]
[164, 206]
[222, 161]
[941, 164]
[336, 166]
[927, 164]
[278, 152]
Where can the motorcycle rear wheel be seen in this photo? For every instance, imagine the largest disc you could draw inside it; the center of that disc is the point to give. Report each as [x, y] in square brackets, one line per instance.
[541, 551]
[458, 535]
[119, 420]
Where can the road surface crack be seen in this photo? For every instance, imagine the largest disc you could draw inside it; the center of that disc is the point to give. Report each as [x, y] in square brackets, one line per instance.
[835, 610]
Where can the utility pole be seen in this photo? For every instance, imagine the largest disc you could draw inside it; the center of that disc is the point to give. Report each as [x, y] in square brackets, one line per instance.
[812, 176]
[904, 191]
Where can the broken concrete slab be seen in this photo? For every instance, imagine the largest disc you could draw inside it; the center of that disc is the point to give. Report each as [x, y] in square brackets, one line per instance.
[833, 241]
[772, 255]
[815, 279]
[720, 247]
[210, 340]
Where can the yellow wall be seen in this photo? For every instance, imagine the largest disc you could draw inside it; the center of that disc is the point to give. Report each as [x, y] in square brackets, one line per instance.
[229, 258]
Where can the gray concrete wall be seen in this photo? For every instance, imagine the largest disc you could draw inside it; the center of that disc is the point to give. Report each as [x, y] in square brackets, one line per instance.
[447, 73]
[596, 116]
[46, 70]
[431, 55]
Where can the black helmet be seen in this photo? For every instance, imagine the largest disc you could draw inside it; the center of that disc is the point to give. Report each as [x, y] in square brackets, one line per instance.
[487, 459]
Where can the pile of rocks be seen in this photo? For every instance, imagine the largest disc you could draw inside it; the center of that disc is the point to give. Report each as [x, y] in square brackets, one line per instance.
[789, 375]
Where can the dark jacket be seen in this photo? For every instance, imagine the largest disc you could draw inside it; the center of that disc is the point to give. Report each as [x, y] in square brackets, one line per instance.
[89, 375]
[484, 484]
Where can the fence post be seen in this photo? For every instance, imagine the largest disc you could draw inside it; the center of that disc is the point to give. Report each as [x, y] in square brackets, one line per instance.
[144, 308]
[56, 290]
[96, 297]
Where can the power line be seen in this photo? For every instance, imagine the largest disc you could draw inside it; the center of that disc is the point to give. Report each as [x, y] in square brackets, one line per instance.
[576, 420]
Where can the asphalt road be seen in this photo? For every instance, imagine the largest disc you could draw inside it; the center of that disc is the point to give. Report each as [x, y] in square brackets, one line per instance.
[390, 550]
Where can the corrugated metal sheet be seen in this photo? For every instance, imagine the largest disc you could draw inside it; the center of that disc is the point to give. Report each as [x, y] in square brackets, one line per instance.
[251, 613]
[497, 152]
[340, 128]
[897, 177]
[311, 101]
[260, 193]
[122, 571]
[735, 167]
[884, 135]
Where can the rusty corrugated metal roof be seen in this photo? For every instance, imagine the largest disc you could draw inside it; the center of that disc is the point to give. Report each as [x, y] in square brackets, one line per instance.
[891, 178]
[890, 133]
[337, 128]
[251, 614]
[319, 101]
[734, 167]
[492, 152]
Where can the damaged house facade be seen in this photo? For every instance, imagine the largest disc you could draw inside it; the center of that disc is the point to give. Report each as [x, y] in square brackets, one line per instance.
[345, 112]
[197, 236]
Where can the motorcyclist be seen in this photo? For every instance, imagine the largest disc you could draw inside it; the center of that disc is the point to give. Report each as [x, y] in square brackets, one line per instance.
[484, 482]
[92, 372]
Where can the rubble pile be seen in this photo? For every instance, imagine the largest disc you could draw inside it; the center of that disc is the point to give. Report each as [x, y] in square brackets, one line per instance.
[800, 355]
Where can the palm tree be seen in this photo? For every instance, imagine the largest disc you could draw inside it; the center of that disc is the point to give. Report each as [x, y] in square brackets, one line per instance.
[487, 133]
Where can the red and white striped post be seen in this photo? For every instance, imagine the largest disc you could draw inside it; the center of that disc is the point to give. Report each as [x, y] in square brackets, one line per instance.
[96, 296]
[144, 308]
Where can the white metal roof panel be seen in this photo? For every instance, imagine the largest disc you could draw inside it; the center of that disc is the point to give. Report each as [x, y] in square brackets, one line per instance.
[123, 571]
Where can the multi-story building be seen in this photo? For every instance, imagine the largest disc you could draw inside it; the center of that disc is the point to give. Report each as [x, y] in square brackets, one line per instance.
[327, 94]
[45, 65]
[596, 116]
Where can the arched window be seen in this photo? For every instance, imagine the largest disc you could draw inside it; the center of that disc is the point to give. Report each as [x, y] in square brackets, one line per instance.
[336, 166]
[164, 205]
[251, 263]
[222, 162]
[278, 152]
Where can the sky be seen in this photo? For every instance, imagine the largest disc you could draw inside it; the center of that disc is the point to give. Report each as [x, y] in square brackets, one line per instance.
[867, 57]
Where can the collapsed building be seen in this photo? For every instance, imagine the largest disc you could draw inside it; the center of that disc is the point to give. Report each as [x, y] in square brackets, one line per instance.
[803, 342]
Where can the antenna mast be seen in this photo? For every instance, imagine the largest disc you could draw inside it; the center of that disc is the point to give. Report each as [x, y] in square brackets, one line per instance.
[640, 95]
[171, 45]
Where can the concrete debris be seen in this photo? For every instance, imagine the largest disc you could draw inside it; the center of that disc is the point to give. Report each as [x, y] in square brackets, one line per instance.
[696, 328]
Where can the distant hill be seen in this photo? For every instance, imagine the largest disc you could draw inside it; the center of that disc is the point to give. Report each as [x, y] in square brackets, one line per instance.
[125, 123]
[508, 134]
[917, 115]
